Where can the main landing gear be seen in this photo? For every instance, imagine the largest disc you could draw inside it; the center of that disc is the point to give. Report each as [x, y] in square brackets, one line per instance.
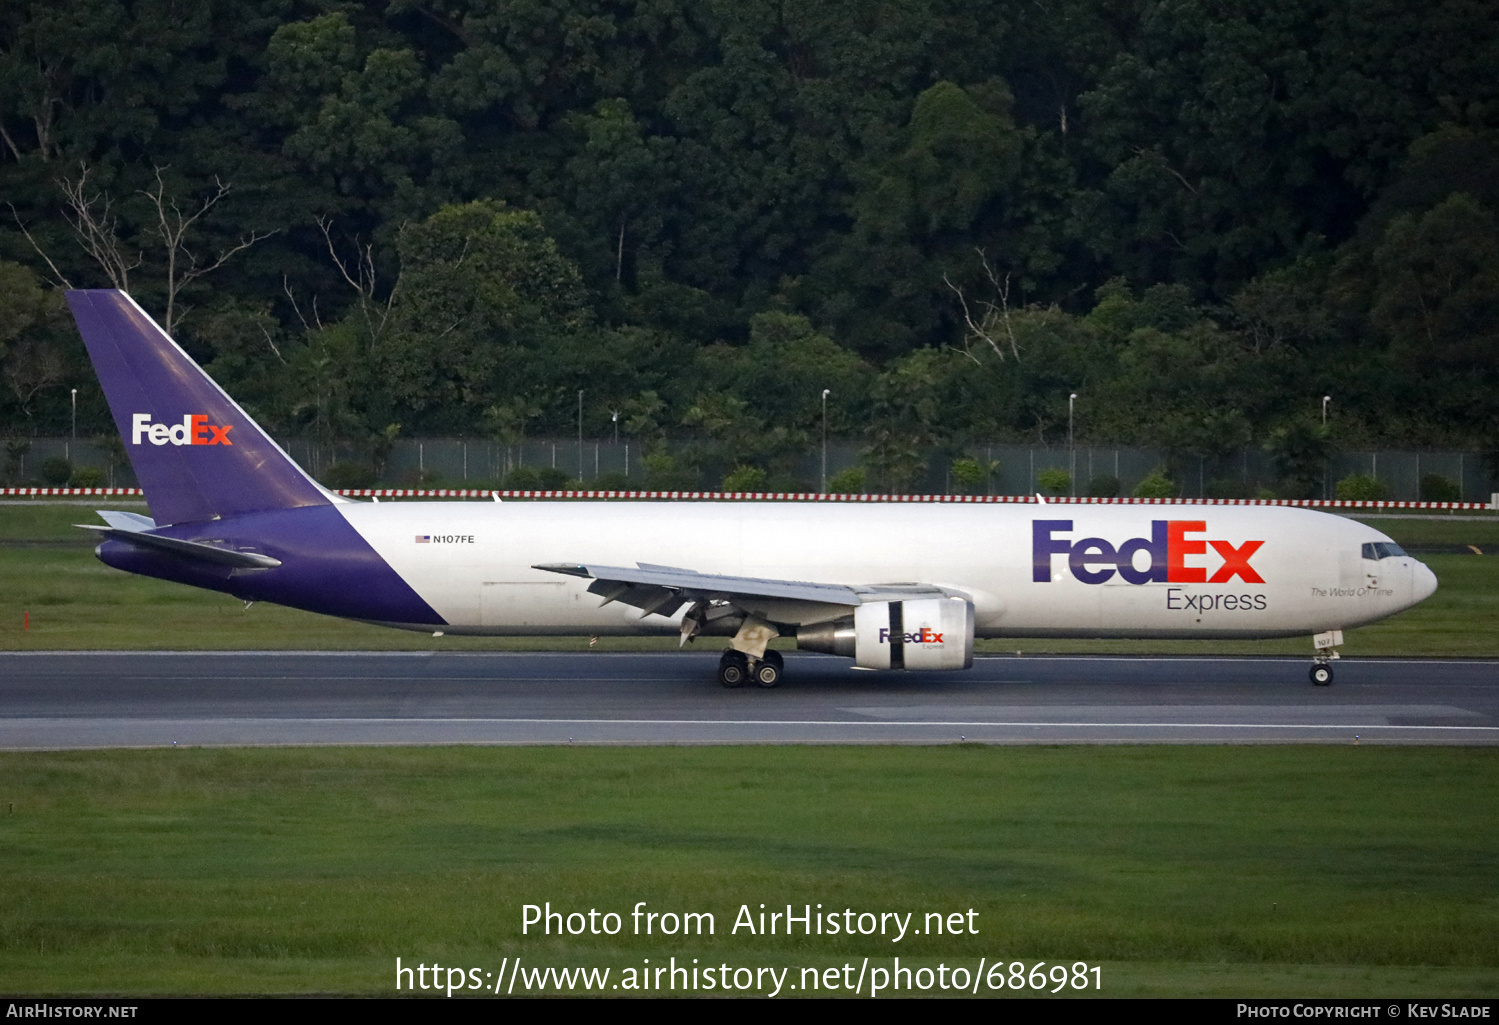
[735, 668]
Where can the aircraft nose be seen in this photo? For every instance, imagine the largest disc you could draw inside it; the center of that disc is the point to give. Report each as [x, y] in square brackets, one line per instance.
[1423, 582]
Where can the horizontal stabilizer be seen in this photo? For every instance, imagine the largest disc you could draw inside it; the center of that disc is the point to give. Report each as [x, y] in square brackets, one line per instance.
[125, 520]
[190, 549]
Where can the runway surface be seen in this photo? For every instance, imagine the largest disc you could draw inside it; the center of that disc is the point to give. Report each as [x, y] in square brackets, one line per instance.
[142, 699]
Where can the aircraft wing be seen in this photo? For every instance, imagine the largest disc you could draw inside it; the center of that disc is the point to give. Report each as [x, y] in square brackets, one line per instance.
[656, 588]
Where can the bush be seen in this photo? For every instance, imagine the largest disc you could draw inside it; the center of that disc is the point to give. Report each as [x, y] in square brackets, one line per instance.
[87, 477]
[537, 478]
[1157, 485]
[666, 472]
[1301, 450]
[970, 476]
[744, 478]
[1298, 487]
[1054, 481]
[851, 481]
[56, 471]
[349, 475]
[1436, 488]
[1105, 485]
[781, 483]
[1358, 487]
[614, 481]
[1227, 487]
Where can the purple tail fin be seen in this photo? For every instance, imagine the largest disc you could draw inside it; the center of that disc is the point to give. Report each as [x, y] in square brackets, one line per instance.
[196, 453]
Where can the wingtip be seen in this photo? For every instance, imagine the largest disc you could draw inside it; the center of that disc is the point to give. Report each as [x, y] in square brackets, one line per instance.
[572, 569]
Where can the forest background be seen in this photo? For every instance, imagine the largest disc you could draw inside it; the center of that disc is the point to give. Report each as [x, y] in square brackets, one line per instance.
[419, 219]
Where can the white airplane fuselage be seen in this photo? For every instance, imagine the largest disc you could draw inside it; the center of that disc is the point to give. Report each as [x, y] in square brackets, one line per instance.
[1306, 576]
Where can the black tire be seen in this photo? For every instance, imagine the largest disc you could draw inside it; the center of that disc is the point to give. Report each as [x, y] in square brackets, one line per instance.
[767, 673]
[733, 669]
[1321, 675]
[774, 657]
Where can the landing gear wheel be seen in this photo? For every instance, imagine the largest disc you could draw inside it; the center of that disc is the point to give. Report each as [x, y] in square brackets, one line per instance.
[774, 658]
[767, 672]
[1321, 675]
[733, 669]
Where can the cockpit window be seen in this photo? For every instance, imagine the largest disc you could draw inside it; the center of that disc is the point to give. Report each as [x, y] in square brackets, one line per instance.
[1382, 549]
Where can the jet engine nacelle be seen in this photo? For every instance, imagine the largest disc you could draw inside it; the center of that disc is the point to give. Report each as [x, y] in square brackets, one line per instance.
[925, 633]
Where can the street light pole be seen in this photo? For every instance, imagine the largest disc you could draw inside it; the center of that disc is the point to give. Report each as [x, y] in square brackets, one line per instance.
[1071, 451]
[580, 435]
[75, 425]
[1325, 400]
[614, 415]
[825, 393]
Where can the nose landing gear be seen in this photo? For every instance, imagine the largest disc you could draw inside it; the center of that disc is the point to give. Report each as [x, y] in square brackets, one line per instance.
[1326, 644]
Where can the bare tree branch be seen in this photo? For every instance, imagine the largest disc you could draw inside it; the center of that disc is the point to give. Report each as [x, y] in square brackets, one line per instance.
[362, 279]
[995, 315]
[973, 330]
[297, 309]
[57, 275]
[9, 142]
[272, 343]
[1141, 151]
[172, 228]
[44, 110]
[31, 368]
[95, 229]
[97, 232]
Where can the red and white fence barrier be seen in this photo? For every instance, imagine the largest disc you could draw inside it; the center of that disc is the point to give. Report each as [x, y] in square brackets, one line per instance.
[766, 496]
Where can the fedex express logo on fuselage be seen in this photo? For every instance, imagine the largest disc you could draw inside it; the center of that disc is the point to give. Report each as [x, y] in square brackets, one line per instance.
[1094, 560]
[193, 430]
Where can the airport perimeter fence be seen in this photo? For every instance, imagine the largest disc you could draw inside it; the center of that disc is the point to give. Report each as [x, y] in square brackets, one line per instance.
[497, 494]
[1012, 469]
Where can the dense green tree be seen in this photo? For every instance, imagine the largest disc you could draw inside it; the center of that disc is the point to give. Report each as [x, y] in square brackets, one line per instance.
[702, 213]
[483, 292]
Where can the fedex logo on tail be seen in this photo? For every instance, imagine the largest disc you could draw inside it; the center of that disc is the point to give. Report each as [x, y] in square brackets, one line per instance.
[1093, 560]
[193, 430]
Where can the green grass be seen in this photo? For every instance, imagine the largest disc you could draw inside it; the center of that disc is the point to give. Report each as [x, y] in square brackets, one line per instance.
[1250, 871]
[1441, 530]
[76, 602]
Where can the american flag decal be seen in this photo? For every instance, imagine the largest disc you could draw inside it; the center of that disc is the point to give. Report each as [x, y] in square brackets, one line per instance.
[423, 539]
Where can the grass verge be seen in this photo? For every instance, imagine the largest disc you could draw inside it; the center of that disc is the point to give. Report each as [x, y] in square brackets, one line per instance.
[1247, 871]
